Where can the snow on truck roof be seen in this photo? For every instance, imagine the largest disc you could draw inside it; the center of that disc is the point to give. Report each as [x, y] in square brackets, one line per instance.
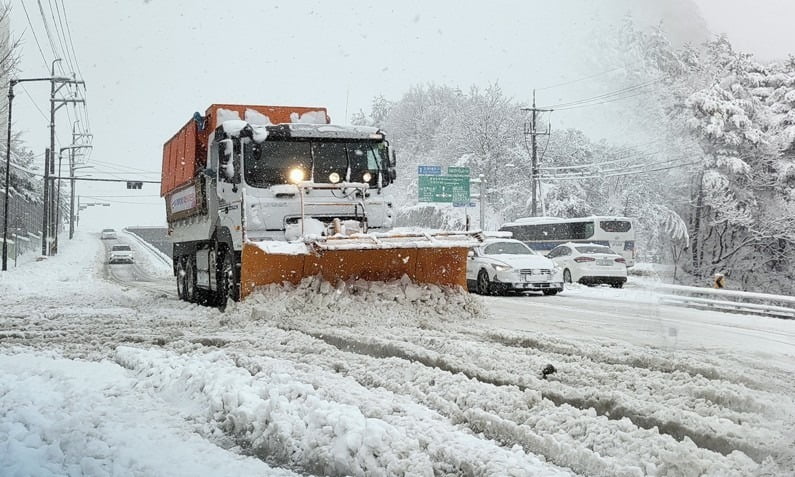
[234, 127]
[548, 220]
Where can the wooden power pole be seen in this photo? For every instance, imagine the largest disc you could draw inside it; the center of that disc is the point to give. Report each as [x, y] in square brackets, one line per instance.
[535, 184]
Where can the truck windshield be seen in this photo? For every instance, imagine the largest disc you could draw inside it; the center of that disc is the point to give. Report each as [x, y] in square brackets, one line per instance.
[271, 162]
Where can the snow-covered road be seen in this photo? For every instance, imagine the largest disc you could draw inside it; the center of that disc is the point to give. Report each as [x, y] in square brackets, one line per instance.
[104, 372]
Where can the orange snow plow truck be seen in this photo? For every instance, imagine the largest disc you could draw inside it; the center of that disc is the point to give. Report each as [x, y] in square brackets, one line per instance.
[259, 195]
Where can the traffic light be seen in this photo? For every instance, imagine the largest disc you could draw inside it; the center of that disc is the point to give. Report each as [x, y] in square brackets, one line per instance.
[134, 185]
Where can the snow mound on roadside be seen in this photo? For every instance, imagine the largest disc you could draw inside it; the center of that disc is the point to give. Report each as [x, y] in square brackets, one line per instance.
[397, 303]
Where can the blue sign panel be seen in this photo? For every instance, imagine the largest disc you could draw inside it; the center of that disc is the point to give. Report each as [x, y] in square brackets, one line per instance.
[429, 170]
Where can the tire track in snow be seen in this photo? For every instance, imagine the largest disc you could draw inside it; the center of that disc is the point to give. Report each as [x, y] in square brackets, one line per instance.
[714, 370]
[505, 409]
[648, 359]
[609, 406]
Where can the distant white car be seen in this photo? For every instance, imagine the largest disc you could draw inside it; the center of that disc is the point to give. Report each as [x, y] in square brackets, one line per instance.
[108, 234]
[121, 254]
[502, 265]
[590, 264]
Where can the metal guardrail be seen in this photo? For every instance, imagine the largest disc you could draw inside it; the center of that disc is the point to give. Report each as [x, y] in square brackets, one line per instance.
[779, 306]
[157, 253]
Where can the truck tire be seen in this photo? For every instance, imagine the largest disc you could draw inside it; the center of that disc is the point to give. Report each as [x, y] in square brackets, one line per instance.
[227, 284]
[190, 279]
[180, 266]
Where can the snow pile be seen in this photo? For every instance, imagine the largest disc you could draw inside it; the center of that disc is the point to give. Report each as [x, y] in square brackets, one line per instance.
[281, 416]
[149, 257]
[70, 417]
[309, 417]
[359, 302]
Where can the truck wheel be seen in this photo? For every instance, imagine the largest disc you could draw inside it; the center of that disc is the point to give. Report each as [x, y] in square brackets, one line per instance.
[190, 279]
[181, 278]
[227, 288]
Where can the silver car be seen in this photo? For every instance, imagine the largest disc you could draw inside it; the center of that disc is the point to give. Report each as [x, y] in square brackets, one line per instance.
[499, 266]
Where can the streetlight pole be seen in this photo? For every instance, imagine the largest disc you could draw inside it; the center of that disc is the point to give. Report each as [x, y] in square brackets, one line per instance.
[8, 177]
[11, 84]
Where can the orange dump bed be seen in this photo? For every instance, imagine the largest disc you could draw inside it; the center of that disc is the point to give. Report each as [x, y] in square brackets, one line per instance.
[185, 154]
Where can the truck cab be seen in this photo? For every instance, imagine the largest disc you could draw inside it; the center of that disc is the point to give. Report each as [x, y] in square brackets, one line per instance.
[268, 178]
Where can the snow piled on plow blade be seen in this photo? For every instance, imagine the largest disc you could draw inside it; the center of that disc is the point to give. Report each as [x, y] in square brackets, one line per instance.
[438, 259]
[401, 303]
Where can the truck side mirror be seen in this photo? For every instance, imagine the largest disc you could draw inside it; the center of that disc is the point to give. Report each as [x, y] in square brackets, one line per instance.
[225, 151]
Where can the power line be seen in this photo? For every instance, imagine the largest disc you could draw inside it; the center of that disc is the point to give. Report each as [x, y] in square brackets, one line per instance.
[59, 35]
[69, 32]
[47, 30]
[33, 102]
[84, 118]
[129, 168]
[596, 164]
[579, 79]
[609, 96]
[585, 105]
[33, 31]
[639, 165]
[625, 173]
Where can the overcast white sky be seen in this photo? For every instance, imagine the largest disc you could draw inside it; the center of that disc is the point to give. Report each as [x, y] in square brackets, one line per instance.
[148, 65]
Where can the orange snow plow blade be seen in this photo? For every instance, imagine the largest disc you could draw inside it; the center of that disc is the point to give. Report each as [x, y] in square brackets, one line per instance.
[438, 259]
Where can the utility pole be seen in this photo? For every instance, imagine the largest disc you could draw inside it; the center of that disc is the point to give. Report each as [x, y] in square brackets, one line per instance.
[75, 135]
[57, 213]
[49, 214]
[535, 183]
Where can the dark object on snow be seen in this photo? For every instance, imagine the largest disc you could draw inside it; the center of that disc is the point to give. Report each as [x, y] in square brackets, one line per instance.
[548, 369]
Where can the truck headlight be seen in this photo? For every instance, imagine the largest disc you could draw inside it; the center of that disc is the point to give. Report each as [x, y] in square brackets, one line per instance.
[366, 177]
[296, 175]
[334, 177]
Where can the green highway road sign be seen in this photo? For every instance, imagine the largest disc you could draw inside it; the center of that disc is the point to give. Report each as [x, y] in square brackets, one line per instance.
[443, 189]
[457, 171]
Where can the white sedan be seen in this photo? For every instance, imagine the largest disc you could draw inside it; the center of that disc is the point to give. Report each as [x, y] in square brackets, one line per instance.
[121, 254]
[502, 265]
[590, 264]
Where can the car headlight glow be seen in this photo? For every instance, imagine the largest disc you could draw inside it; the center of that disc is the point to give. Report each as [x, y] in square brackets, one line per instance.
[296, 175]
[334, 177]
[501, 268]
[366, 177]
